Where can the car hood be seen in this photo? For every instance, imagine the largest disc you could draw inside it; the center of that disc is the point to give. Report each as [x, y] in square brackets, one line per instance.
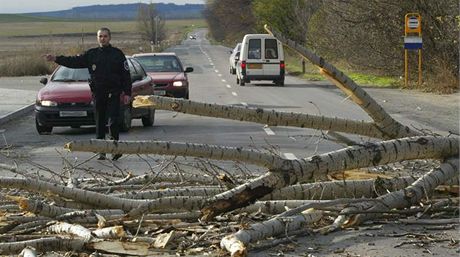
[166, 76]
[65, 92]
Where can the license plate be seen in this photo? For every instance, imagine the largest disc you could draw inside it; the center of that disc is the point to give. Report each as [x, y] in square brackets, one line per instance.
[159, 92]
[73, 114]
[254, 65]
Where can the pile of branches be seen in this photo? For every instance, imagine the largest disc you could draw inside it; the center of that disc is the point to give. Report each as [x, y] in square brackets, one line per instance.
[194, 214]
[94, 215]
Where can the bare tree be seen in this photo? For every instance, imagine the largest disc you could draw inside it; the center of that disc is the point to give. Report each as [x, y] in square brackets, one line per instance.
[150, 24]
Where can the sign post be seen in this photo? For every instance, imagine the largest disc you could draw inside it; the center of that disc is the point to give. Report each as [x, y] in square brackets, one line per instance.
[413, 25]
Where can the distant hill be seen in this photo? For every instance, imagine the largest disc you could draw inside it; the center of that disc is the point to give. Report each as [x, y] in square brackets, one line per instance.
[124, 12]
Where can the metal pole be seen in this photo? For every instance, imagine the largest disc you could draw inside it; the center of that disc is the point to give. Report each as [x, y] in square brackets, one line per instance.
[156, 30]
[419, 67]
[405, 68]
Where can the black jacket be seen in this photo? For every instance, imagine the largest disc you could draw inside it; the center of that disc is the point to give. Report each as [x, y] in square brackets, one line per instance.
[107, 66]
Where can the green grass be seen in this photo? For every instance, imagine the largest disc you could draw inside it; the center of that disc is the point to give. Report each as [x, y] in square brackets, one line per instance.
[294, 67]
[372, 80]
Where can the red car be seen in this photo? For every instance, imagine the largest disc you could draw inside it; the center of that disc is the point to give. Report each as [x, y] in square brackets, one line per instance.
[168, 75]
[66, 99]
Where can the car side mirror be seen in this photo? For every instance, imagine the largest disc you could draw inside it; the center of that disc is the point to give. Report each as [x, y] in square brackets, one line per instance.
[44, 81]
[188, 69]
[237, 57]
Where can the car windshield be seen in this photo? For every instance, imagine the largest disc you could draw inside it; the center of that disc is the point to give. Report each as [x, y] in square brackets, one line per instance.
[160, 63]
[68, 74]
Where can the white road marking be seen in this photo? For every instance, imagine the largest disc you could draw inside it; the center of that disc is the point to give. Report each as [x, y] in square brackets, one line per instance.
[269, 131]
[229, 86]
[224, 80]
[234, 93]
[220, 75]
[244, 104]
[217, 71]
[289, 156]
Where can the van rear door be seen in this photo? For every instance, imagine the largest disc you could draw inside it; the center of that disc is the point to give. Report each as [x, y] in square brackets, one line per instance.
[271, 57]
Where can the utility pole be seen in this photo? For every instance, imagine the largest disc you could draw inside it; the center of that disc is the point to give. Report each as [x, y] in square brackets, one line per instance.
[156, 30]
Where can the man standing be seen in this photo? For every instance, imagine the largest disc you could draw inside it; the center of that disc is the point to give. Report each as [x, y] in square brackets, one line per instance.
[109, 78]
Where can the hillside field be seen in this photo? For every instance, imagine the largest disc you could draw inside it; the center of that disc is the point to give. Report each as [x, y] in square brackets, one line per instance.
[13, 25]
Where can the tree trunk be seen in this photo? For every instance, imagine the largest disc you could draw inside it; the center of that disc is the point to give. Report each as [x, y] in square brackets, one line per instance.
[386, 124]
[318, 167]
[258, 115]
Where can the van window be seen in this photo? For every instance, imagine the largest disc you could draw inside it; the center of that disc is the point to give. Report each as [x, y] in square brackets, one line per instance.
[254, 49]
[271, 49]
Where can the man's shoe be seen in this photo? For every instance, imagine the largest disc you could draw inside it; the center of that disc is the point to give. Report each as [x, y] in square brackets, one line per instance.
[116, 156]
[101, 156]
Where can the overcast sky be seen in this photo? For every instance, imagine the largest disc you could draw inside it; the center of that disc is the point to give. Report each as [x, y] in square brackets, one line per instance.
[24, 6]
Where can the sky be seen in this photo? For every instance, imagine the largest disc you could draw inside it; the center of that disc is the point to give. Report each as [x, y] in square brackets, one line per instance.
[25, 6]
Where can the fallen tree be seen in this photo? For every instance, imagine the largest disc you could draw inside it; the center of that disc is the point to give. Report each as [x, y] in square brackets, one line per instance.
[84, 214]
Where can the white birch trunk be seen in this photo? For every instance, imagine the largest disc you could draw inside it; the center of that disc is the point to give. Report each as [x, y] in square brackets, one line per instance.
[110, 232]
[258, 115]
[407, 197]
[72, 229]
[43, 244]
[318, 167]
[154, 194]
[76, 194]
[277, 206]
[167, 204]
[236, 243]
[340, 189]
[390, 127]
[28, 252]
[176, 149]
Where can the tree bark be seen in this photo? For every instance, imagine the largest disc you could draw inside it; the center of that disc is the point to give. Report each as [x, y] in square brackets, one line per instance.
[177, 149]
[235, 243]
[318, 167]
[258, 115]
[407, 197]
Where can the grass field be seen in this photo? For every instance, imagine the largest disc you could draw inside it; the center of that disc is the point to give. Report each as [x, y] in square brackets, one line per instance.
[13, 25]
[23, 39]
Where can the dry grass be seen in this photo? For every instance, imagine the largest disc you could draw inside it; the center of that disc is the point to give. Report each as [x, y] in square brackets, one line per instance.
[22, 44]
[442, 80]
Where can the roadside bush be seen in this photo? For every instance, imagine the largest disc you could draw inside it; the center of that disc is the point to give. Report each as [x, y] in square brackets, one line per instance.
[25, 65]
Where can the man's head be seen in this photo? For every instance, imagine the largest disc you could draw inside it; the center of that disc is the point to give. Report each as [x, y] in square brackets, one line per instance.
[103, 36]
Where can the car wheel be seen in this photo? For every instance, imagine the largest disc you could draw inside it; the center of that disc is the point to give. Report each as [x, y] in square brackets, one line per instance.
[42, 129]
[233, 71]
[237, 80]
[279, 82]
[125, 119]
[149, 119]
[241, 82]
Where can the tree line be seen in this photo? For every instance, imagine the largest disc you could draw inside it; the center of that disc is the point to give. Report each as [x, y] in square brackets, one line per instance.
[368, 35]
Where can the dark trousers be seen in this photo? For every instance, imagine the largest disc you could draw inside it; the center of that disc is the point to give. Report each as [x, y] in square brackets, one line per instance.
[107, 112]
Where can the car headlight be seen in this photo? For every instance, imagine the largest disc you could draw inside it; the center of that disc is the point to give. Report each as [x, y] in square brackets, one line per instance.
[178, 83]
[48, 103]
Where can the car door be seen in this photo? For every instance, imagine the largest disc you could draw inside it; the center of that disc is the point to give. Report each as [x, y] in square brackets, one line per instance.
[140, 84]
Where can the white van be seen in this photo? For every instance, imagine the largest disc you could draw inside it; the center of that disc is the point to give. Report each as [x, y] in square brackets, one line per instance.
[261, 58]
